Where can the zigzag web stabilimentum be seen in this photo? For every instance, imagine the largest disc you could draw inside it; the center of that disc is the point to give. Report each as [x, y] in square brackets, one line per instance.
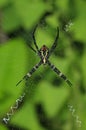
[19, 101]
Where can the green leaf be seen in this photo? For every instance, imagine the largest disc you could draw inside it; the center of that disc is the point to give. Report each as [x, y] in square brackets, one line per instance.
[52, 98]
[13, 60]
[52, 20]
[3, 127]
[3, 3]
[83, 64]
[10, 19]
[63, 5]
[80, 21]
[29, 13]
[27, 118]
[43, 37]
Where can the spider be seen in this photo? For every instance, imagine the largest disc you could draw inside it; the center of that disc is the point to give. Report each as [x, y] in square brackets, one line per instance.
[44, 53]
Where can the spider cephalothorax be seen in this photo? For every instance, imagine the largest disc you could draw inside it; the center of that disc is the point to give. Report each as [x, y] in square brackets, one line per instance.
[44, 51]
[44, 54]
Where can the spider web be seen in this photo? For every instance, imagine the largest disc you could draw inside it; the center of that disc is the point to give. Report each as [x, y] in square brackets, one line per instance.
[30, 83]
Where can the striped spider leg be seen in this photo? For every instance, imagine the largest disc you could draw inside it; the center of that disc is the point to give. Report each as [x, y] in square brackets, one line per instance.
[29, 74]
[57, 71]
[44, 53]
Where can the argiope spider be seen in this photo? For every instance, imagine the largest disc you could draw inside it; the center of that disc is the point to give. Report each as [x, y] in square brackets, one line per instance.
[44, 53]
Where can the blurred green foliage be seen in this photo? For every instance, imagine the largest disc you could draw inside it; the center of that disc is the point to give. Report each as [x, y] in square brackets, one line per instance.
[45, 106]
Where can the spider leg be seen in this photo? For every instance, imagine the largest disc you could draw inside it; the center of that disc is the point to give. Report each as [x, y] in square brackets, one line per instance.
[34, 38]
[57, 71]
[55, 43]
[32, 48]
[29, 74]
